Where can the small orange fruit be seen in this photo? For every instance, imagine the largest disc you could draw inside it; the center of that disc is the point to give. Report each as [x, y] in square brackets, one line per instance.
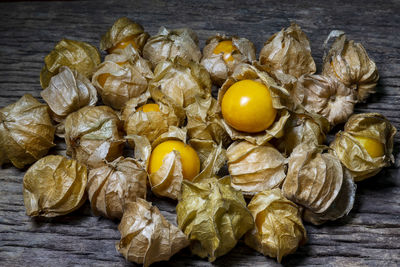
[373, 147]
[149, 108]
[227, 48]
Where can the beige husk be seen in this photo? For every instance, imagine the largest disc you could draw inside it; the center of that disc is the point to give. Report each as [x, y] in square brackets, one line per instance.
[255, 168]
[76, 55]
[146, 236]
[215, 64]
[92, 135]
[54, 186]
[213, 215]
[122, 30]
[325, 96]
[169, 44]
[352, 153]
[182, 81]
[112, 186]
[280, 101]
[348, 62]
[278, 229]
[26, 132]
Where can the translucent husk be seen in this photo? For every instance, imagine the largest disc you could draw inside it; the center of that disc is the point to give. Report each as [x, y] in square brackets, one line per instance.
[26, 132]
[325, 96]
[112, 186]
[278, 229]
[146, 236]
[93, 134]
[182, 81]
[348, 62]
[205, 121]
[54, 186]
[281, 101]
[255, 168]
[287, 55]
[124, 29]
[215, 64]
[169, 44]
[80, 56]
[213, 215]
[352, 153]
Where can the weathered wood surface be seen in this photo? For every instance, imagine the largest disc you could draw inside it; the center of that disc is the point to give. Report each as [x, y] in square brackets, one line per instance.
[370, 235]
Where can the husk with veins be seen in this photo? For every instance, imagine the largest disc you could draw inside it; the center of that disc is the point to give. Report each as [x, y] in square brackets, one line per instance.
[281, 101]
[215, 64]
[352, 153]
[124, 29]
[325, 96]
[26, 132]
[169, 44]
[349, 62]
[146, 236]
[80, 56]
[54, 186]
[113, 185]
[213, 215]
[93, 134]
[315, 181]
[204, 121]
[255, 168]
[278, 229]
[182, 81]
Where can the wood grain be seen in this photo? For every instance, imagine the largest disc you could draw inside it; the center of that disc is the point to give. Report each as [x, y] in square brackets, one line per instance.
[370, 235]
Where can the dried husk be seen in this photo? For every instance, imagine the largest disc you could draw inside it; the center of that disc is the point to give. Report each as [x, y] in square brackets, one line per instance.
[281, 101]
[182, 81]
[278, 229]
[352, 153]
[325, 96]
[54, 186]
[146, 236]
[80, 56]
[124, 29]
[215, 64]
[112, 186]
[315, 180]
[348, 62]
[26, 132]
[255, 168]
[93, 134]
[169, 44]
[213, 216]
[204, 121]
[287, 55]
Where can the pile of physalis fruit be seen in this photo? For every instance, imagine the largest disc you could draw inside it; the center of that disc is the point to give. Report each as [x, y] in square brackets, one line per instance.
[268, 125]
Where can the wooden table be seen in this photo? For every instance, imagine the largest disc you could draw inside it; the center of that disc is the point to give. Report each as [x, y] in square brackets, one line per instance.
[370, 235]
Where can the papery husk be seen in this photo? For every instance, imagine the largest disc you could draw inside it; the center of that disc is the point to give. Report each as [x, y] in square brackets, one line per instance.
[124, 29]
[348, 62]
[213, 215]
[26, 132]
[278, 230]
[112, 186]
[215, 64]
[54, 186]
[182, 81]
[205, 121]
[303, 127]
[80, 56]
[67, 92]
[353, 155]
[281, 101]
[255, 168]
[287, 55]
[93, 134]
[146, 236]
[169, 44]
[325, 96]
